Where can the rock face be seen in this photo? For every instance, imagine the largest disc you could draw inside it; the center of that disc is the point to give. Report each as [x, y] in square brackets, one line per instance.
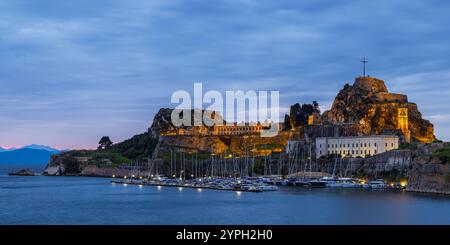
[24, 172]
[368, 104]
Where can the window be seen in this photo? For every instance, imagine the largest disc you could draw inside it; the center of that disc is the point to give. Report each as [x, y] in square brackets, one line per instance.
[386, 144]
[392, 144]
[375, 144]
[365, 145]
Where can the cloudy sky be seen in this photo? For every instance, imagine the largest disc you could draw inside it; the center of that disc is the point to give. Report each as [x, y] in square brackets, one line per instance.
[73, 71]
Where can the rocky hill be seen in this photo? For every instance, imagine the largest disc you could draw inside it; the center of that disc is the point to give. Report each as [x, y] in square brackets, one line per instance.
[370, 105]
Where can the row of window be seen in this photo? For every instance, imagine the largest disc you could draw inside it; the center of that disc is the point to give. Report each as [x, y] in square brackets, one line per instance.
[351, 152]
[354, 145]
[239, 129]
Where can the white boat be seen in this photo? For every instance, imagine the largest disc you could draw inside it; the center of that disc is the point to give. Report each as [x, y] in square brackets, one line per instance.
[268, 187]
[378, 184]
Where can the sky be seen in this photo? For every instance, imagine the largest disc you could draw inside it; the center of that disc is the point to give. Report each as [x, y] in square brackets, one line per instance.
[73, 71]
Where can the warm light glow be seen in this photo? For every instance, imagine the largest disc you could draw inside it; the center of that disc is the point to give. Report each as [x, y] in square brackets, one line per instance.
[125, 177]
[132, 176]
[140, 177]
[403, 183]
[174, 176]
[113, 176]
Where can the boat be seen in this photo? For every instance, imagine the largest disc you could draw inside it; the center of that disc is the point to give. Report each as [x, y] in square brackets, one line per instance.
[317, 183]
[378, 184]
[268, 187]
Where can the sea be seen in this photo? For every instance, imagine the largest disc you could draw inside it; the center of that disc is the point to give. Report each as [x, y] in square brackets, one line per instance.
[90, 200]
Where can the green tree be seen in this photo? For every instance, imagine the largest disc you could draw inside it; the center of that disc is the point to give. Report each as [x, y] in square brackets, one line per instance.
[105, 143]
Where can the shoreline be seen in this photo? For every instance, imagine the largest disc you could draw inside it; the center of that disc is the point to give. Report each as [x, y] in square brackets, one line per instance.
[416, 191]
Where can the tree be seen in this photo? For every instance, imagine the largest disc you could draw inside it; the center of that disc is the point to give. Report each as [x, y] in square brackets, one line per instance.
[298, 115]
[104, 143]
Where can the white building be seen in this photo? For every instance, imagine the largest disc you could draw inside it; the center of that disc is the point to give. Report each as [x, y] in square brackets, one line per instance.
[354, 146]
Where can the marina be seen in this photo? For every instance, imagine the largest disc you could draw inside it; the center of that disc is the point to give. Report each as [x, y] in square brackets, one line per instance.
[258, 184]
[90, 200]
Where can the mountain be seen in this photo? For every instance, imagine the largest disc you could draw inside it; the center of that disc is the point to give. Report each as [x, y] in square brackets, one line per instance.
[26, 156]
[41, 147]
[372, 108]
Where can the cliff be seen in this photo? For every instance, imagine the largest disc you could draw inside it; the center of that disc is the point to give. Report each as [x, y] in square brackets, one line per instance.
[368, 104]
[430, 171]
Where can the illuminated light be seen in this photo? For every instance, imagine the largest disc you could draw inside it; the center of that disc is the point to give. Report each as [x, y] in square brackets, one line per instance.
[239, 193]
[180, 188]
[159, 187]
[151, 175]
[140, 186]
[174, 176]
[391, 184]
[403, 183]
[230, 155]
[180, 179]
[192, 176]
[239, 181]
[125, 184]
[125, 177]
[199, 189]
[199, 179]
[140, 177]
[113, 176]
[132, 176]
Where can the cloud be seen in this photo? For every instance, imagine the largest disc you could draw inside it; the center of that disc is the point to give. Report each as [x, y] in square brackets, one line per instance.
[83, 69]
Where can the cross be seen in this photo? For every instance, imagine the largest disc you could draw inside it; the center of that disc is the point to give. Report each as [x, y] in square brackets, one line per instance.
[364, 61]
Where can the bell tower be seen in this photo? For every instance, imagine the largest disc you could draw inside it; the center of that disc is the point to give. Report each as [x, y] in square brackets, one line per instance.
[402, 123]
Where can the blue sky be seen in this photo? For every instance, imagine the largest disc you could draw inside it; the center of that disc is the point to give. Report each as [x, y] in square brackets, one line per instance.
[72, 71]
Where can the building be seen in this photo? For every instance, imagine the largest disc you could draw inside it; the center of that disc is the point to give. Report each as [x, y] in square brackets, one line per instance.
[314, 119]
[403, 123]
[356, 146]
[219, 130]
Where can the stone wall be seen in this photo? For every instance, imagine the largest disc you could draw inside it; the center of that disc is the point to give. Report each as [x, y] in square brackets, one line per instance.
[391, 97]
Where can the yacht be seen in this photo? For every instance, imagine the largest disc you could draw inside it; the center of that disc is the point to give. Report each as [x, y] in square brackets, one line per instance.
[378, 184]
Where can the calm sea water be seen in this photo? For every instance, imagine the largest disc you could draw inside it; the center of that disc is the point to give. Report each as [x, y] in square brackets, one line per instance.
[84, 200]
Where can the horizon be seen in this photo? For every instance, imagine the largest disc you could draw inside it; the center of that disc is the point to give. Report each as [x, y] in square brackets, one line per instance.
[73, 72]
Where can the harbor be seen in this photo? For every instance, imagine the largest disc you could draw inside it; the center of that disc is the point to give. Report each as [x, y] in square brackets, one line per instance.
[258, 184]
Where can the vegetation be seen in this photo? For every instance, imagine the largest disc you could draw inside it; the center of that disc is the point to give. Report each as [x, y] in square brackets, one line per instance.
[107, 155]
[443, 153]
[104, 143]
[298, 115]
[408, 146]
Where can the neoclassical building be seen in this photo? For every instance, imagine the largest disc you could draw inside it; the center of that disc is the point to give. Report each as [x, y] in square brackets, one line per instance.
[356, 146]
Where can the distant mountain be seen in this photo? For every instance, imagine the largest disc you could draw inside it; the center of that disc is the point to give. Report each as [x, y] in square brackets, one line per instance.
[40, 147]
[26, 156]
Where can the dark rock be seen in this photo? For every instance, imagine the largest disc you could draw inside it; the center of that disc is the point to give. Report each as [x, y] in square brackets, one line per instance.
[24, 172]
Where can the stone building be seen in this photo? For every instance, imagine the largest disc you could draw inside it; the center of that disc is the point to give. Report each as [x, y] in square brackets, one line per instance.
[356, 146]
[403, 123]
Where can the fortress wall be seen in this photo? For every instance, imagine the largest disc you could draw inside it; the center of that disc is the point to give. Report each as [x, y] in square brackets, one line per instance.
[391, 97]
[370, 84]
